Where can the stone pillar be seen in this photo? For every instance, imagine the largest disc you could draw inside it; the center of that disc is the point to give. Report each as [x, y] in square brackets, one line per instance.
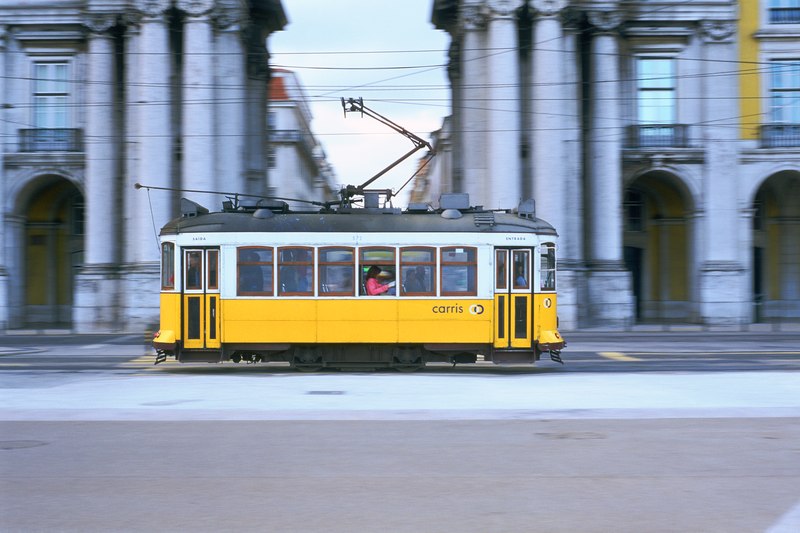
[504, 171]
[230, 100]
[256, 110]
[570, 222]
[150, 154]
[198, 79]
[724, 284]
[610, 294]
[14, 235]
[96, 284]
[547, 104]
[472, 114]
[154, 133]
[4, 207]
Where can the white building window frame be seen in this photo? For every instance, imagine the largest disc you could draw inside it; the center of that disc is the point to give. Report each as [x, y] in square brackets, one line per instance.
[659, 86]
[782, 12]
[784, 91]
[51, 94]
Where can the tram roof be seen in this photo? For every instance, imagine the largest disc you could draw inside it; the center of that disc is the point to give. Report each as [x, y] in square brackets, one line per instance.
[360, 221]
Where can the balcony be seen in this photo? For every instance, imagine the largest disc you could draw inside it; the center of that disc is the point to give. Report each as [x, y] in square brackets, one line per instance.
[51, 140]
[780, 136]
[784, 15]
[657, 136]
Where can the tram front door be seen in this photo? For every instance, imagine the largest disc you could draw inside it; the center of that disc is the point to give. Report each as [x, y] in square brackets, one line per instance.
[201, 298]
[512, 298]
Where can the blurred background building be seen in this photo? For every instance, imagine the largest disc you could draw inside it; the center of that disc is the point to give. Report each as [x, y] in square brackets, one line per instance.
[661, 138]
[99, 95]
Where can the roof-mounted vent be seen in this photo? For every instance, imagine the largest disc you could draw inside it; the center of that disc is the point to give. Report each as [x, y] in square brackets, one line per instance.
[454, 200]
[191, 209]
[527, 209]
[418, 207]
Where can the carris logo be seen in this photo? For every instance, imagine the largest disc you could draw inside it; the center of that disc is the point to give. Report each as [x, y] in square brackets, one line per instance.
[476, 309]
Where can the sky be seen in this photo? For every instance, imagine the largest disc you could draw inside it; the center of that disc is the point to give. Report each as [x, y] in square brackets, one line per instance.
[384, 51]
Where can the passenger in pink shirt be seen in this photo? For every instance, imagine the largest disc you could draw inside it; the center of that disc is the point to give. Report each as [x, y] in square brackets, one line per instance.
[375, 287]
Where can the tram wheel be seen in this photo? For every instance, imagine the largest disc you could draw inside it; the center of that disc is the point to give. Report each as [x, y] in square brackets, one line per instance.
[307, 359]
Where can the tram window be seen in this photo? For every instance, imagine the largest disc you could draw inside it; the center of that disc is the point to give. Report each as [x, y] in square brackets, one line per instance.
[212, 260]
[521, 269]
[418, 272]
[336, 271]
[254, 271]
[501, 274]
[194, 269]
[384, 259]
[547, 266]
[167, 266]
[295, 271]
[459, 271]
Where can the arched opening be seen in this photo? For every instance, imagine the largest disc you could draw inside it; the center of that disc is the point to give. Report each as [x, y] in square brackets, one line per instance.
[657, 247]
[51, 251]
[776, 248]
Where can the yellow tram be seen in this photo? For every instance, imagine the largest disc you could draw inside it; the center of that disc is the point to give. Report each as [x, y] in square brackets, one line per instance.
[266, 283]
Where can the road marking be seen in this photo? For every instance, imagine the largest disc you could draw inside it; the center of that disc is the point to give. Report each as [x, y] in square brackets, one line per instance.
[617, 356]
[788, 523]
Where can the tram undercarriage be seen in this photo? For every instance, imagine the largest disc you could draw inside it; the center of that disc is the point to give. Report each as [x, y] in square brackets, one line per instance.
[315, 357]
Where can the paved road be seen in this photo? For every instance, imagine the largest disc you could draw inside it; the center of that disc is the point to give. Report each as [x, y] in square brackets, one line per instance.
[634, 433]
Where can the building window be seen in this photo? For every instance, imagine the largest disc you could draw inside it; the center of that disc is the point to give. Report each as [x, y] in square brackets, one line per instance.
[655, 104]
[785, 92]
[655, 79]
[784, 11]
[633, 209]
[50, 95]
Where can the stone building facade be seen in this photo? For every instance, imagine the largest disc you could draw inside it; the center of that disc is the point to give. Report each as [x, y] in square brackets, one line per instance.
[661, 138]
[296, 160]
[97, 96]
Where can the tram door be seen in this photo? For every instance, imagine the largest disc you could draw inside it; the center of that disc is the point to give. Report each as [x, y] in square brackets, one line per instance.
[512, 298]
[201, 298]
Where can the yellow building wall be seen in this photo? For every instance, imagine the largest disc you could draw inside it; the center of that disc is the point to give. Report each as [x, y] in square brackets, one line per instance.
[750, 70]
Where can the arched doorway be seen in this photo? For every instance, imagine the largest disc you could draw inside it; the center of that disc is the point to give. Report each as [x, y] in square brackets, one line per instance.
[657, 247]
[51, 250]
[776, 248]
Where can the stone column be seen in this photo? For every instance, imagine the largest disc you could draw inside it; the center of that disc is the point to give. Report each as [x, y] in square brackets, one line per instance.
[150, 151]
[95, 285]
[198, 79]
[724, 284]
[472, 114]
[154, 135]
[230, 100]
[256, 110]
[610, 294]
[504, 170]
[4, 207]
[548, 117]
[569, 176]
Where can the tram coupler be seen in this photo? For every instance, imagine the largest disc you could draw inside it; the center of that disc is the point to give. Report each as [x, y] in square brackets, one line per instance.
[555, 355]
[160, 357]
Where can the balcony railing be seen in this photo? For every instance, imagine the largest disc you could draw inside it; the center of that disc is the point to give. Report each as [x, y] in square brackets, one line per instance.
[51, 140]
[784, 15]
[780, 135]
[658, 136]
